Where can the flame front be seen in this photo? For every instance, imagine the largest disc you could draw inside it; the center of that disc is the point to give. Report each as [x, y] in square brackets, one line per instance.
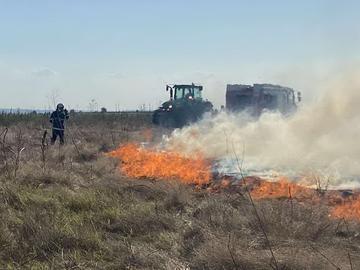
[349, 210]
[339, 207]
[139, 162]
[281, 189]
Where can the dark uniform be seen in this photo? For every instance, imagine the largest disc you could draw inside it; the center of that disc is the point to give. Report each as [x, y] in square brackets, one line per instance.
[57, 119]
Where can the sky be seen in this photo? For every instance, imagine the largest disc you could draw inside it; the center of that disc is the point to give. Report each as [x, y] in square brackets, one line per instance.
[121, 54]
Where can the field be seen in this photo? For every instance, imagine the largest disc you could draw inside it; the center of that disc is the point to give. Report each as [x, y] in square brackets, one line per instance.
[70, 207]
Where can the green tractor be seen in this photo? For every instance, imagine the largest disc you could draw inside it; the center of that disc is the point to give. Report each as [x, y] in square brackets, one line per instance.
[185, 106]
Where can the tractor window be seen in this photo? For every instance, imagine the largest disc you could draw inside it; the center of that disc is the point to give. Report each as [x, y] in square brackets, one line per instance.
[187, 92]
[179, 93]
[197, 93]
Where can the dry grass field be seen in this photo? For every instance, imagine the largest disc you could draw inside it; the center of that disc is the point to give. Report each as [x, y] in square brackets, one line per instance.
[70, 208]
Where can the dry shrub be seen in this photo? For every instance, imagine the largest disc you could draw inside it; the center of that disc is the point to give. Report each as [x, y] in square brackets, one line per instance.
[219, 215]
[141, 220]
[222, 252]
[284, 219]
[177, 198]
[192, 238]
[145, 191]
[86, 154]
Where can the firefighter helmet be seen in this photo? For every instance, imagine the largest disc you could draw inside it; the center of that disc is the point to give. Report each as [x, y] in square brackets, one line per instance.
[60, 106]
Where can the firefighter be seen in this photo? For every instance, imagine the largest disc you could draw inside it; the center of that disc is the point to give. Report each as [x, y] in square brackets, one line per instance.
[57, 119]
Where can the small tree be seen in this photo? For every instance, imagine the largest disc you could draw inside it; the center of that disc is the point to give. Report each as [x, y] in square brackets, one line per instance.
[93, 106]
[103, 110]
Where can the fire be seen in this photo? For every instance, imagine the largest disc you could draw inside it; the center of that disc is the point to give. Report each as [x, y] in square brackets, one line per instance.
[139, 162]
[339, 207]
[349, 210]
[281, 189]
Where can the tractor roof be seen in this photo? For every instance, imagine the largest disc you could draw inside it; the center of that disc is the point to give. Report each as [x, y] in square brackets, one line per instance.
[186, 86]
[265, 86]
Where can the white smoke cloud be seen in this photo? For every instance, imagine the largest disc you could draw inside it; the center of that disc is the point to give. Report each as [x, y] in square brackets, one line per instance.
[320, 136]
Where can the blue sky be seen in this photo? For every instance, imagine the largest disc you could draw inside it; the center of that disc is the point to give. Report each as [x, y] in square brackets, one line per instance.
[122, 53]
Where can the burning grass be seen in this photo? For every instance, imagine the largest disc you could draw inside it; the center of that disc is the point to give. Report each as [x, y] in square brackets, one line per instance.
[139, 162]
[281, 189]
[349, 210]
[341, 205]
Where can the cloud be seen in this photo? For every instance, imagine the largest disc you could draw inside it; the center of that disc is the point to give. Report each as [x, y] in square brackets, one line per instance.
[44, 72]
[116, 75]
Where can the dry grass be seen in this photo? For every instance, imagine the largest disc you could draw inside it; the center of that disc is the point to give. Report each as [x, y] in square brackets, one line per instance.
[69, 208]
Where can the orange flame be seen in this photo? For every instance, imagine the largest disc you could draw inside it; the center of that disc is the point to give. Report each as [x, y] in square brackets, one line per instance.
[339, 207]
[349, 210]
[139, 162]
[281, 189]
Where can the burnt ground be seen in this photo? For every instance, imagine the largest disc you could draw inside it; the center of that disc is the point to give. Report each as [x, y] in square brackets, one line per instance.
[70, 208]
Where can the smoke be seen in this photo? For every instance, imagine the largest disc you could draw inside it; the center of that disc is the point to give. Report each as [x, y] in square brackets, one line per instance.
[321, 136]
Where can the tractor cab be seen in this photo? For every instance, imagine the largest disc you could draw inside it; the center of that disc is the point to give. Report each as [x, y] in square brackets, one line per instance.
[185, 91]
